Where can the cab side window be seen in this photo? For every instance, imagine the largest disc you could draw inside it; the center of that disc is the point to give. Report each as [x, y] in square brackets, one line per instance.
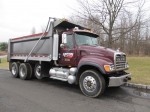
[69, 41]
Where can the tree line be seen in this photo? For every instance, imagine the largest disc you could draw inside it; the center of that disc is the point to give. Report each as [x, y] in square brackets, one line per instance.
[120, 24]
[3, 46]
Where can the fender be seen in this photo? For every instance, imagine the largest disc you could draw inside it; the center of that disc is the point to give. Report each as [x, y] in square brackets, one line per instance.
[101, 69]
[91, 62]
[94, 61]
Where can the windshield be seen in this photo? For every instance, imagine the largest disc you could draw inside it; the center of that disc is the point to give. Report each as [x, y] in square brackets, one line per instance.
[84, 38]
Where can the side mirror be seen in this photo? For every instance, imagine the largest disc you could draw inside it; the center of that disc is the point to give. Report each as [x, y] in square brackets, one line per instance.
[64, 38]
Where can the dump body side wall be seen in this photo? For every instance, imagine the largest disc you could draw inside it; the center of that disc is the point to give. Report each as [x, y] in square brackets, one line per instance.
[21, 48]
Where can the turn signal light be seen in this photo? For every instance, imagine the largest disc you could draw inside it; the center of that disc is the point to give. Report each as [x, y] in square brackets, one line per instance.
[63, 20]
[69, 66]
[76, 28]
[107, 68]
[88, 30]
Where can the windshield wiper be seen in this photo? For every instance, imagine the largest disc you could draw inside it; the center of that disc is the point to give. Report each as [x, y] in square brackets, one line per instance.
[85, 44]
[95, 44]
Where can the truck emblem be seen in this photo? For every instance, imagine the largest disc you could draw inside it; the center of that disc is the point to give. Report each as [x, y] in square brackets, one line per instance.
[68, 55]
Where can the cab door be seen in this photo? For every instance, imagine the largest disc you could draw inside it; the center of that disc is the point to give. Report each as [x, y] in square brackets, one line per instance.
[68, 51]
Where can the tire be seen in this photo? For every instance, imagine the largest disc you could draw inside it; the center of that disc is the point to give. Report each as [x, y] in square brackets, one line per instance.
[14, 68]
[31, 71]
[92, 83]
[37, 71]
[25, 71]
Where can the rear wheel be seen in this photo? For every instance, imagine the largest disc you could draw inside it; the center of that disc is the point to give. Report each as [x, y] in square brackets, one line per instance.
[37, 71]
[31, 71]
[92, 83]
[14, 69]
[25, 71]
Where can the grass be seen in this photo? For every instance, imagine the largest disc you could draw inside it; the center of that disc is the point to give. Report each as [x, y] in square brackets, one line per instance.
[139, 68]
[4, 63]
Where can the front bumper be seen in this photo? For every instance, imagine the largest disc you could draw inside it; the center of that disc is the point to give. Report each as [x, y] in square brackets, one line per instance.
[118, 81]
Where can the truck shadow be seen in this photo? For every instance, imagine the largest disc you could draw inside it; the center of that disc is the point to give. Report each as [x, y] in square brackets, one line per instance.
[121, 93]
[116, 93]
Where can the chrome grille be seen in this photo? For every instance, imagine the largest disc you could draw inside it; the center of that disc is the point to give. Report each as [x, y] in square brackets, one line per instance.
[120, 61]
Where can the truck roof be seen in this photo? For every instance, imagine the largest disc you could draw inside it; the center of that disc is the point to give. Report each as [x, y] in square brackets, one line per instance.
[69, 25]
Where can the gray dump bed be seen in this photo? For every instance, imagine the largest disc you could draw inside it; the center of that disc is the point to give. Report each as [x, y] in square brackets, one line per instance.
[19, 48]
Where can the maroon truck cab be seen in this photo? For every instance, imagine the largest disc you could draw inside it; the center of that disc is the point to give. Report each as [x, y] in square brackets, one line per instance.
[81, 50]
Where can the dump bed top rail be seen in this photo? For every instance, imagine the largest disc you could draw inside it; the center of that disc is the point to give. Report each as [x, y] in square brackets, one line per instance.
[29, 36]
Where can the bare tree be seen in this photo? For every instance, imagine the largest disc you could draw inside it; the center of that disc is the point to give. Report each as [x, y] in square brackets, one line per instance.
[43, 28]
[105, 14]
[146, 42]
[33, 31]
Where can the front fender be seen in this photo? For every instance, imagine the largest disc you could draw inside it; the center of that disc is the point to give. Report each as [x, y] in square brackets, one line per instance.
[100, 68]
[94, 61]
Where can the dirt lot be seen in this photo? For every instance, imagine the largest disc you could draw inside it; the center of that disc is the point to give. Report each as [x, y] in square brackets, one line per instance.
[3, 53]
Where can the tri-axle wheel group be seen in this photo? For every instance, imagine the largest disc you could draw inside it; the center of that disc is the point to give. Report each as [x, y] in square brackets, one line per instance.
[25, 70]
[91, 82]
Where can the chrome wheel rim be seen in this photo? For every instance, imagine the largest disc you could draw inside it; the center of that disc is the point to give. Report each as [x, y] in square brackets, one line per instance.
[89, 83]
[22, 72]
[38, 70]
[13, 70]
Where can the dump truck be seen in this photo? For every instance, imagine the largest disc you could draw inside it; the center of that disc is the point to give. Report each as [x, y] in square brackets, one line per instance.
[71, 53]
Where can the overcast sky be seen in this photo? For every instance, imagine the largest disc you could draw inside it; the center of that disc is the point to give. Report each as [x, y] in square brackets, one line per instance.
[18, 17]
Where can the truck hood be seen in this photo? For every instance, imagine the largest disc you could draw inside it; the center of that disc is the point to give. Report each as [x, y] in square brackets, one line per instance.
[98, 52]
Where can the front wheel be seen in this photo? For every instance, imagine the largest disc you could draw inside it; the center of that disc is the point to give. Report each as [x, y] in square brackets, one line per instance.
[92, 83]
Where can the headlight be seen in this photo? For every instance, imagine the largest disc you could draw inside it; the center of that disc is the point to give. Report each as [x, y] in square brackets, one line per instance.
[126, 65]
[109, 68]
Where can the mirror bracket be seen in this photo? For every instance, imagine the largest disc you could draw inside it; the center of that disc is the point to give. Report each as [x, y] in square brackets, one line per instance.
[64, 38]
